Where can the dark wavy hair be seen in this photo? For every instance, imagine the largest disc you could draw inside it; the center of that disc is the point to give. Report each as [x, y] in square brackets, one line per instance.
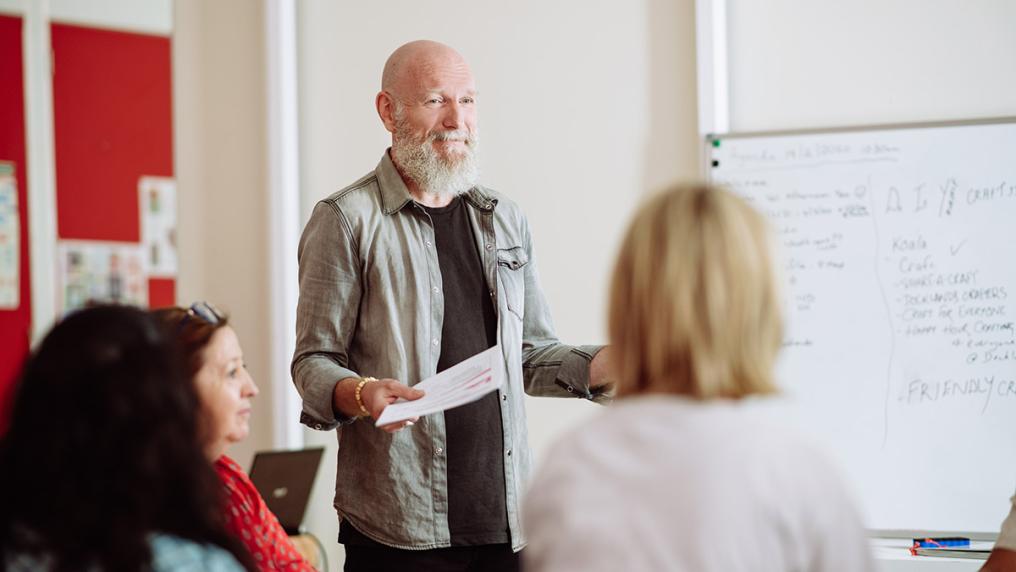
[192, 333]
[103, 449]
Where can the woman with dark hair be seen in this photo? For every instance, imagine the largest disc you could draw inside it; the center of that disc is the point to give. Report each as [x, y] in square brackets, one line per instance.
[214, 361]
[102, 464]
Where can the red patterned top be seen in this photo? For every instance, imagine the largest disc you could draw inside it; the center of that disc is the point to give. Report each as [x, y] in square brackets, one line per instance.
[250, 520]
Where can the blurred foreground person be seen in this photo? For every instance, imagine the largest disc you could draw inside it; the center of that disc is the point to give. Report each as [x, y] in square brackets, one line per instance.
[1003, 556]
[681, 473]
[214, 361]
[102, 467]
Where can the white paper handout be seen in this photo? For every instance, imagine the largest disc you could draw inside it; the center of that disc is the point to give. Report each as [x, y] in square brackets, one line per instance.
[100, 271]
[157, 198]
[460, 384]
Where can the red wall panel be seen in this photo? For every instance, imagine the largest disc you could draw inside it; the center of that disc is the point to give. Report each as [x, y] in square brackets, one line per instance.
[15, 325]
[161, 292]
[113, 123]
[112, 108]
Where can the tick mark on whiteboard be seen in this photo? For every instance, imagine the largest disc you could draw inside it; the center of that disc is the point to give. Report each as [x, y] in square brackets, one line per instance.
[956, 248]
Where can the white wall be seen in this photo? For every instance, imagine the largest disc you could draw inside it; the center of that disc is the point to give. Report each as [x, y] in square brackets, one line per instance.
[583, 106]
[829, 63]
[220, 152]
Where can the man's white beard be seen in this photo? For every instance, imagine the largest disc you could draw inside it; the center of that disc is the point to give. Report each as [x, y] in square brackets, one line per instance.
[436, 175]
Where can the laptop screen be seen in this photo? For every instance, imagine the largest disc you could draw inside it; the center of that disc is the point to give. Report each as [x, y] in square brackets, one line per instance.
[285, 480]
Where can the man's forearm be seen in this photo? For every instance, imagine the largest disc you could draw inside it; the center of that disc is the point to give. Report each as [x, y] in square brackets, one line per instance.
[375, 395]
[344, 397]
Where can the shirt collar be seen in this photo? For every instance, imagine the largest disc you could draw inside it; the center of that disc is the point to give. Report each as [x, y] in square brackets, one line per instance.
[395, 194]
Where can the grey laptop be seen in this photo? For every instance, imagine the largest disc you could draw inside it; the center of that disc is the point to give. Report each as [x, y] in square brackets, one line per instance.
[285, 479]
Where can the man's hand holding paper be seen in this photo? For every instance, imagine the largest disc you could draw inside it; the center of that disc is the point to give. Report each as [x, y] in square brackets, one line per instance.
[460, 384]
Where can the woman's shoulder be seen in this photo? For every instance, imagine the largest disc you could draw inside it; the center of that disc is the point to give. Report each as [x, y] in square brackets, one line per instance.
[169, 554]
[226, 465]
[243, 501]
[172, 553]
[666, 432]
[234, 478]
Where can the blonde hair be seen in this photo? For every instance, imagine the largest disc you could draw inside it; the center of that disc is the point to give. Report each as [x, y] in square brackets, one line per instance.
[694, 307]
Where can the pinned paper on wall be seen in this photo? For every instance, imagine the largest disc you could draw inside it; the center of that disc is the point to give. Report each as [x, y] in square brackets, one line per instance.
[157, 198]
[96, 271]
[10, 239]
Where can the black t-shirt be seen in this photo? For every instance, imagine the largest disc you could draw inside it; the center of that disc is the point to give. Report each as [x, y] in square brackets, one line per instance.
[474, 445]
[476, 494]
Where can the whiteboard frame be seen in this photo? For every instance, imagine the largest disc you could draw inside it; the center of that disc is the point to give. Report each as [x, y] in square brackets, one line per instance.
[707, 173]
[707, 141]
[912, 534]
[710, 137]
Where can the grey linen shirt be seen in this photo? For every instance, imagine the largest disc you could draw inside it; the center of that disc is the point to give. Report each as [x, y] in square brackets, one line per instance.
[371, 305]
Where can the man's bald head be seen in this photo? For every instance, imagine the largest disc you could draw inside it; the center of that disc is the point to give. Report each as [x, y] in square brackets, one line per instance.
[428, 103]
[413, 62]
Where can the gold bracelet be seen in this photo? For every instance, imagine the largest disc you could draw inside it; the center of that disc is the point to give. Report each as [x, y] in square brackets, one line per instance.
[359, 387]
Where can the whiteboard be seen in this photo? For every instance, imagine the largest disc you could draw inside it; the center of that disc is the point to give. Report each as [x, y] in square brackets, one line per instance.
[898, 254]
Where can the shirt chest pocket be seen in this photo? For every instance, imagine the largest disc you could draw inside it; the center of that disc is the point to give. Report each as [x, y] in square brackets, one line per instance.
[511, 268]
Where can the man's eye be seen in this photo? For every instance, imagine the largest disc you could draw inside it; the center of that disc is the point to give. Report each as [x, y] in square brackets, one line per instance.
[434, 101]
[467, 100]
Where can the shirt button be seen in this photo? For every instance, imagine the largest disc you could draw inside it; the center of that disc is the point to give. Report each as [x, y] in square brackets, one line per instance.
[317, 426]
[427, 242]
[435, 342]
[439, 450]
[509, 451]
[489, 247]
[436, 290]
[504, 397]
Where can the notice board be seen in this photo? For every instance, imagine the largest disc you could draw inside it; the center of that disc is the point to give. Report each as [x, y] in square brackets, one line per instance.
[16, 317]
[113, 128]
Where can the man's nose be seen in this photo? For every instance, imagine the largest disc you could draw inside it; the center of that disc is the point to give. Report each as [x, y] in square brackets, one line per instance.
[454, 117]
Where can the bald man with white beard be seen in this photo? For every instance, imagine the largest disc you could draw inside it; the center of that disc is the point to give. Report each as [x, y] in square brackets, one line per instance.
[406, 272]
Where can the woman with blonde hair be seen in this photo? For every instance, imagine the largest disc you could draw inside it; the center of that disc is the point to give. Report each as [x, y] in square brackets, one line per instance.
[682, 472]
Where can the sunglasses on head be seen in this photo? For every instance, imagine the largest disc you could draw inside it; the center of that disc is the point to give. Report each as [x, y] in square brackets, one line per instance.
[203, 310]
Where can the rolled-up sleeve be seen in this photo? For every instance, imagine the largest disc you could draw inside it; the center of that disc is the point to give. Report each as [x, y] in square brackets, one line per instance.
[330, 290]
[550, 368]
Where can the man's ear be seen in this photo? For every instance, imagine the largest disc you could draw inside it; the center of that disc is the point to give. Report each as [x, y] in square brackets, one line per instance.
[385, 104]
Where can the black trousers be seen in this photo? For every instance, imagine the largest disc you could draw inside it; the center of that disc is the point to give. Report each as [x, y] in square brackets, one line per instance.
[485, 558]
